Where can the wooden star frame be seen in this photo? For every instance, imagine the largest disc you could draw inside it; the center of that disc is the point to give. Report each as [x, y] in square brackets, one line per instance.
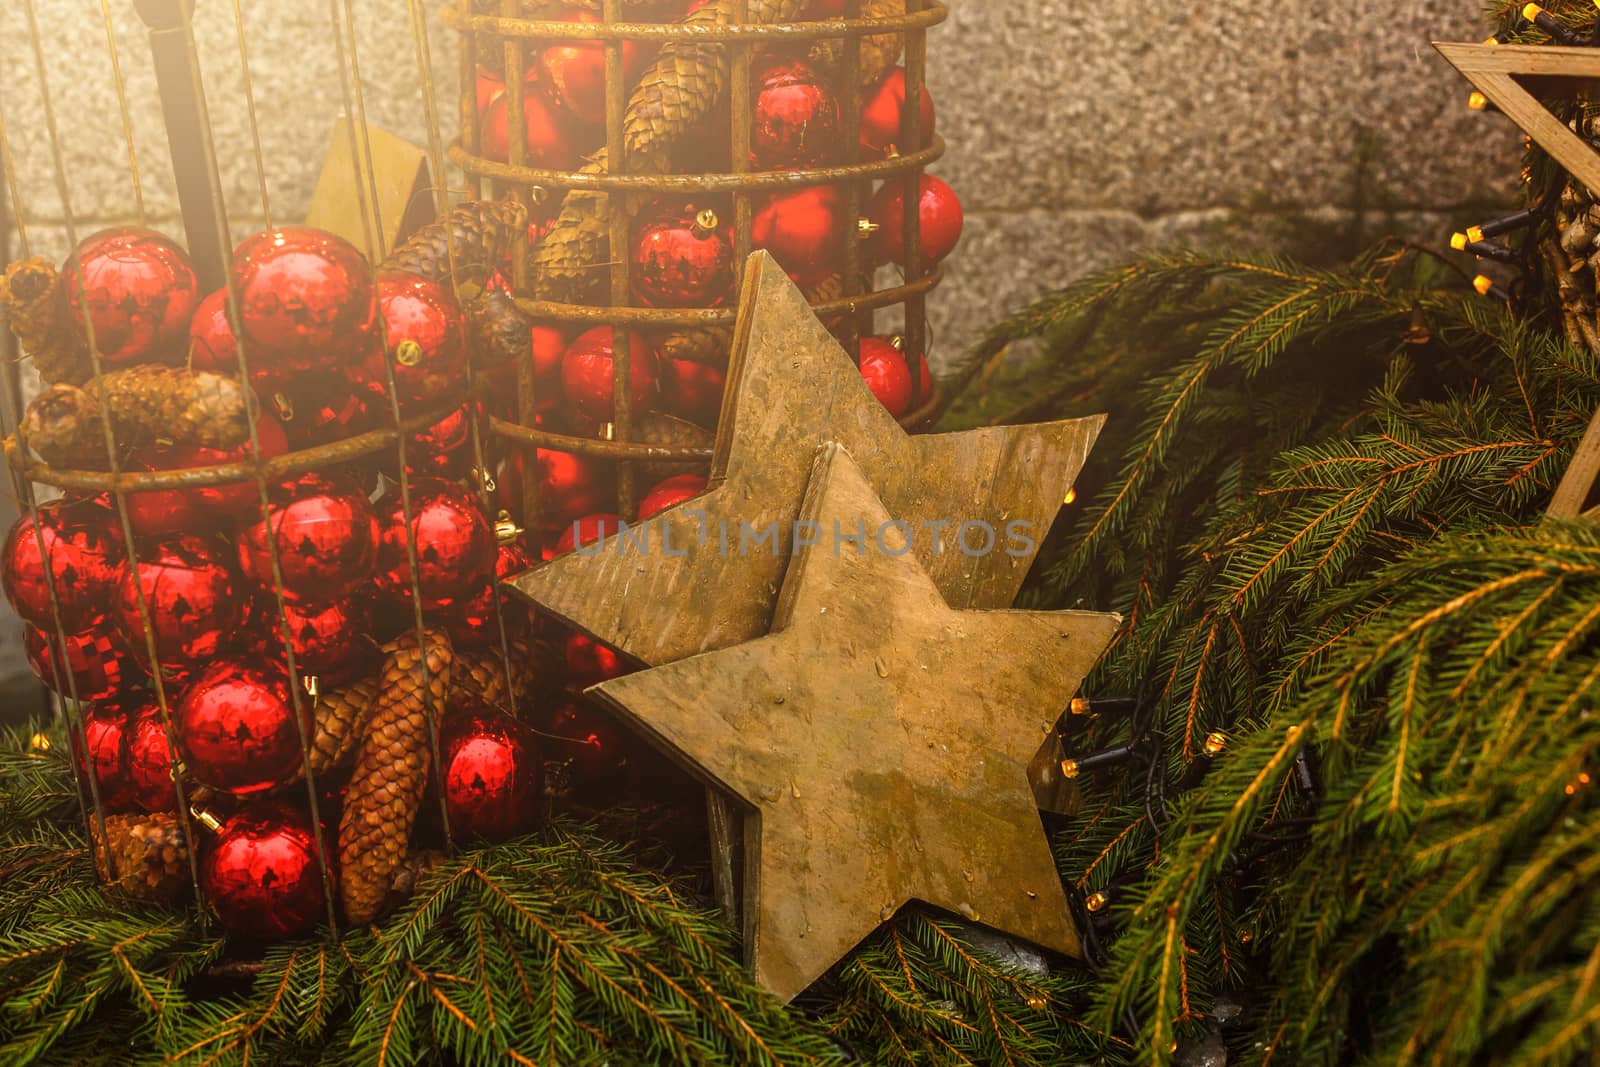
[1495, 70]
[691, 580]
[882, 740]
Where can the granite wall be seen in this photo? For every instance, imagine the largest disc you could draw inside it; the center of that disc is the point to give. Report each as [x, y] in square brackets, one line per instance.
[1078, 132]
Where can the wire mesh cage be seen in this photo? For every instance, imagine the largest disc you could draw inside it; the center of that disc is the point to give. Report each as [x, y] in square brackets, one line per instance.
[120, 651]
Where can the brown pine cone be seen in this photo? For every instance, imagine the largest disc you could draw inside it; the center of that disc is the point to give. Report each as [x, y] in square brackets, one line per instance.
[700, 344]
[654, 428]
[569, 264]
[147, 404]
[479, 676]
[882, 51]
[150, 854]
[339, 722]
[30, 305]
[482, 234]
[391, 772]
[500, 334]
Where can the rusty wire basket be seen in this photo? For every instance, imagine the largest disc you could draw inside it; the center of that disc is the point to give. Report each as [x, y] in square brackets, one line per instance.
[507, 36]
[195, 156]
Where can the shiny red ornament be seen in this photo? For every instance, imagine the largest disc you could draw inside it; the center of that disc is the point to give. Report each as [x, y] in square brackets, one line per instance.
[227, 500]
[150, 759]
[426, 335]
[305, 302]
[473, 624]
[591, 744]
[549, 146]
[320, 409]
[941, 221]
[212, 346]
[493, 775]
[548, 345]
[443, 450]
[138, 291]
[327, 534]
[883, 116]
[103, 753]
[802, 231]
[192, 598]
[155, 513]
[692, 390]
[570, 486]
[574, 72]
[329, 641]
[235, 726]
[587, 374]
[261, 874]
[670, 493]
[795, 120]
[491, 85]
[589, 530]
[683, 257]
[94, 666]
[82, 548]
[887, 372]
[589, 662]
[455, 543]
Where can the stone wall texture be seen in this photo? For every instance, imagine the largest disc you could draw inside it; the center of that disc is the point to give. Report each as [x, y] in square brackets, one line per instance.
[1079, 133]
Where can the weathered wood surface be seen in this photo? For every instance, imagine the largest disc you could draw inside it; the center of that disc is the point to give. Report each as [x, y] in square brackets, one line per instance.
[698, 577]
[1493, 69]
[882, 737]
[342, 203]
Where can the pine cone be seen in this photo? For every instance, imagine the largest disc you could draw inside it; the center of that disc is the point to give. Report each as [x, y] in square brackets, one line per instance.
[147, 404]
[30, 304]
[339, 722]
[655, 428]
[700, 344]
[380, 804]
[150, 854]
[479, 676]
[500, 330]
[483, 233]
[880, 52]
[569, 263]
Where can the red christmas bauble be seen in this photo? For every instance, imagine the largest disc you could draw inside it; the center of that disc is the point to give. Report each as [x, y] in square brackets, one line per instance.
[795, 122]
[692, 390]
[138, 291]
[320, 409]
[235, 725]
[493, 775]
[82, 548]
[326, 533]
[570, 486]
[473, 624]
[574, 72]
[455, 543]
[150, 759]
[683, 258]
[104, 754]
[192, 599]
[161, 512]
[261, 874]
[426, 335]
[443, 450]
[491, 85]
[888, 374]
[590, 743]
[212, 346]
[329, 642]
[547, 345]
[587, 375]
[801, 229]
[941, 220]
[305, 302]
[589, 530]
[671, 493]
[228, 500]
[589, 662]
[548, 145]
[94, 666]
[883, 113]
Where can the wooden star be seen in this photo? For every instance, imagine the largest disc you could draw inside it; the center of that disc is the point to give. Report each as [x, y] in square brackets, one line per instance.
[698, 583]
[1494, 70]
[883, 739]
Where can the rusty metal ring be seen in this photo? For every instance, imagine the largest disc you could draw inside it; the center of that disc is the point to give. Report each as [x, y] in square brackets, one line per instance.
[776, 33]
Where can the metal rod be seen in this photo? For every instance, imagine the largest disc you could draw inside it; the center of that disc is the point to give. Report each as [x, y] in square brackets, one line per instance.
[177, 74]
